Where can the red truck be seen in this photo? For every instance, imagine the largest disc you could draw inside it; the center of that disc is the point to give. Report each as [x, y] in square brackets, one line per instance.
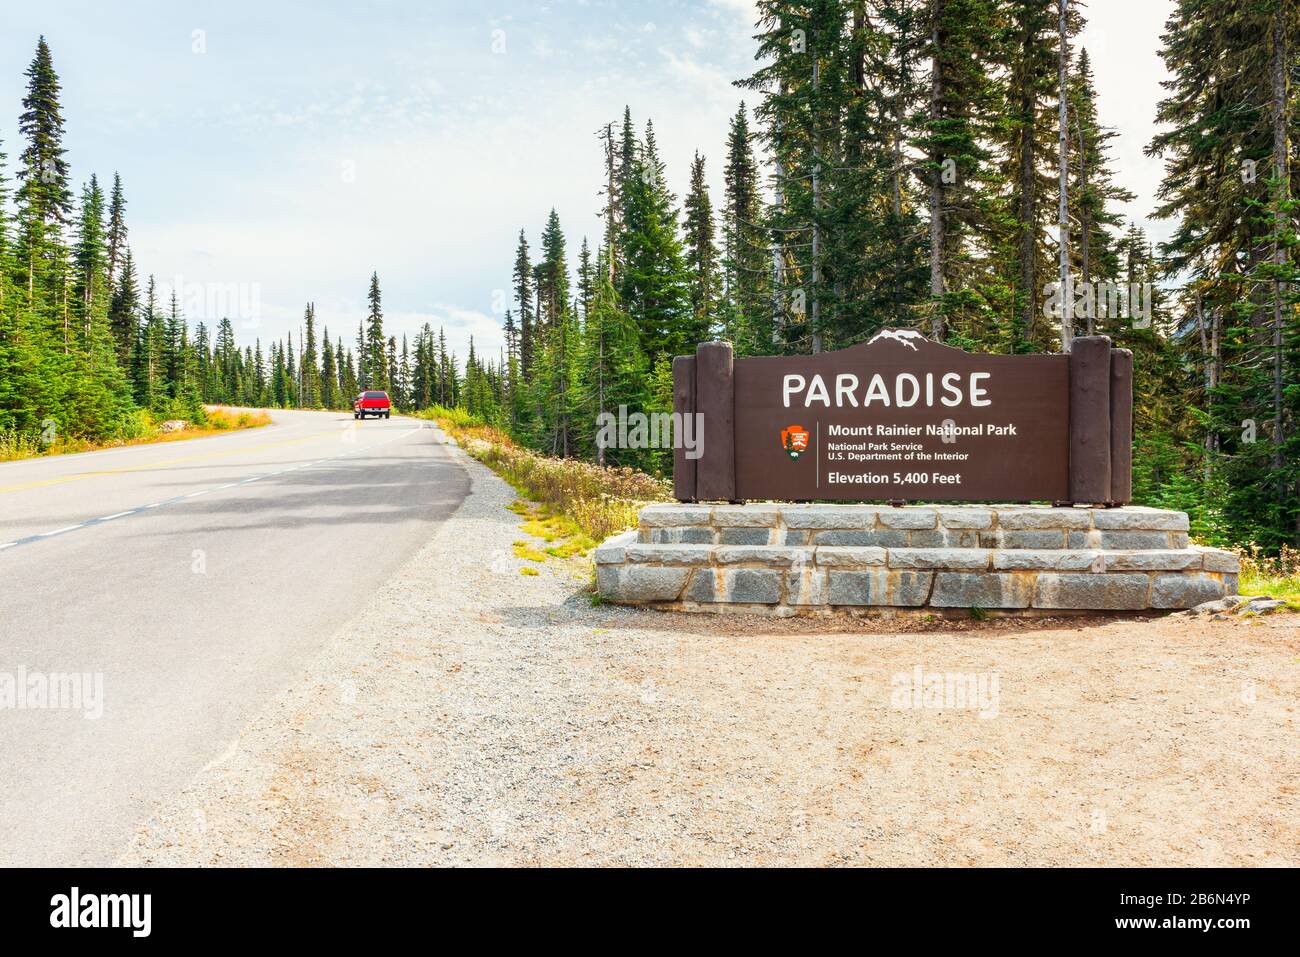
[374, 402]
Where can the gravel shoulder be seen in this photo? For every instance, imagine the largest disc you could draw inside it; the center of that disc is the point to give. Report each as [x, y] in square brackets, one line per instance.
[471, 715]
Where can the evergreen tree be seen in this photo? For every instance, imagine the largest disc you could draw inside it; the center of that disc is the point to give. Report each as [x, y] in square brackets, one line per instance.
[329, 374]
[1093, 245]
[225, 358]
[123, 310]
[404, 376]
[376, 359]
[291, 390]
[586, 277]
[147, 358]
[552, 274]
[116, 237]
[612, 372]
[1028, 138]
[653, 285]
[747, 310]
[701, 255]
[5, 264]
[955, 129]
[10, 397]
[375, 363]
[512, 377]
[311, 376]
[349, 384]
[392, 370]
[44, 198]
[363, 354]
[446, 382]
[523, 277]
[90, 284]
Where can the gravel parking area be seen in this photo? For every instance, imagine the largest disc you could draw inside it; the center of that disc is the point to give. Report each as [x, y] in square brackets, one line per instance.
[470, 715]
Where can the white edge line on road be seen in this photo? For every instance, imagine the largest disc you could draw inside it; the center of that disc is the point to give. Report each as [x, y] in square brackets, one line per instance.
[60, 531]
[7, 545]
[109, 518]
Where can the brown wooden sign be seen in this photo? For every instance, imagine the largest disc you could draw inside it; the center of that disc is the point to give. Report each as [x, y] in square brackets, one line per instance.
[901, 418]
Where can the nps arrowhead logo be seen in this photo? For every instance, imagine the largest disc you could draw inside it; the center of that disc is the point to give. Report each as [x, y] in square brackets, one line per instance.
[794, 439]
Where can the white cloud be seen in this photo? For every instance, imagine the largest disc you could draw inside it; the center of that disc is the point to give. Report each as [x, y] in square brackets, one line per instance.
[746, 8]
[700, 78]
[591, 43]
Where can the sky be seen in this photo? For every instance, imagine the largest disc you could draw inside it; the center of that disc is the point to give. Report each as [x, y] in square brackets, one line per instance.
[278, 153]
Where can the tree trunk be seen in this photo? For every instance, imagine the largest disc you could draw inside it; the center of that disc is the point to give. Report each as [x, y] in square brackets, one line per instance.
[1216, 361]
[1028, 221]
[600, 387]
[1207, 372]
[937, 330]
[1028, 206]
[1085, 227]
[1282, 196]
[1063, 203]
[778, 248]
[814, 313]
[610, 187]
[896, 171]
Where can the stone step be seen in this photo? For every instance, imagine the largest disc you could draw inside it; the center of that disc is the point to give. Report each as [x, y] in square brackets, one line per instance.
[798, 558]
[913, 526]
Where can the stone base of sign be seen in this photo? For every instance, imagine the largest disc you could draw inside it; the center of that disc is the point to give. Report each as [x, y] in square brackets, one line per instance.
[805, 559]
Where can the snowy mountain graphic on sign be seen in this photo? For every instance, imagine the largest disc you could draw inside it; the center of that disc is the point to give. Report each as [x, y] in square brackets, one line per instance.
[905, 336]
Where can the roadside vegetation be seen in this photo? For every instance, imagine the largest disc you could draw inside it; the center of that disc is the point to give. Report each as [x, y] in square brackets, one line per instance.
[577, 504]
[143, 429]
[1276, 576]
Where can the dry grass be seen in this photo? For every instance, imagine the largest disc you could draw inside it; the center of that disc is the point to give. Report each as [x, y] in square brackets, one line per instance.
[23, 445]
[527, 552]
[18, 445]
[1277, 576]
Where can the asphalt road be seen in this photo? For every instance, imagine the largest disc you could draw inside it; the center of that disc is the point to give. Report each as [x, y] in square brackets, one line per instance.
[191, 581]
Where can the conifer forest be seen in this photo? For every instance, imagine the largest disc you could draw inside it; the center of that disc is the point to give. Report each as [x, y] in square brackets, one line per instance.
[939, 165]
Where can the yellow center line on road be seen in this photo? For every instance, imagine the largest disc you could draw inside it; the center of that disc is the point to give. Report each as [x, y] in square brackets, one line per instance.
[224, 453]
